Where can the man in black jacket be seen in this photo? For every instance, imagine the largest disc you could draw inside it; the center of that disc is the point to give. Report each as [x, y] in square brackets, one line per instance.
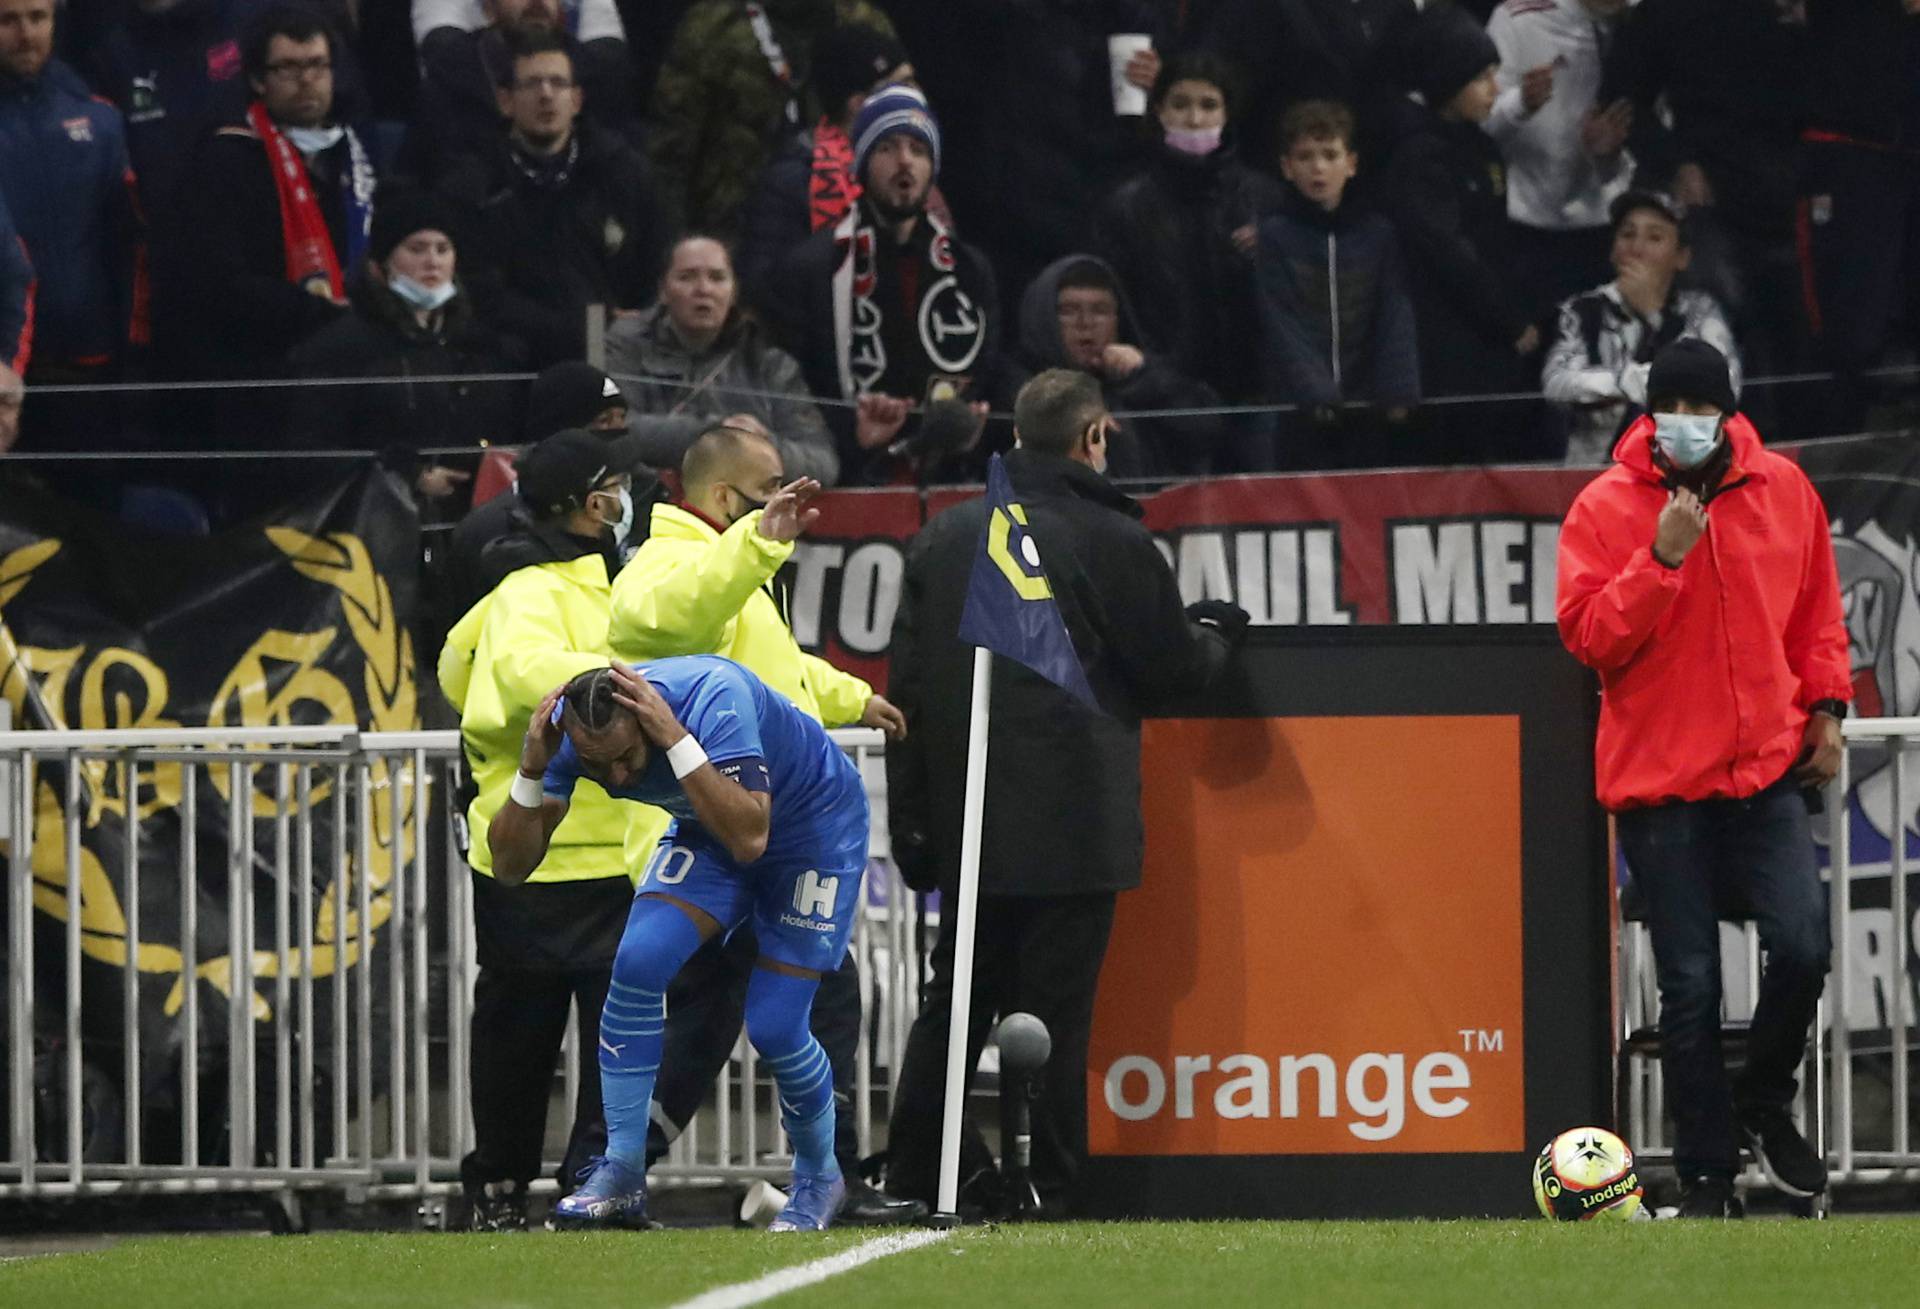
[566, 214]
[1063, 833]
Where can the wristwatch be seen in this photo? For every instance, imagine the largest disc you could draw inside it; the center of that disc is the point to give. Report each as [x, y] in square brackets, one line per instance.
[1834, 709]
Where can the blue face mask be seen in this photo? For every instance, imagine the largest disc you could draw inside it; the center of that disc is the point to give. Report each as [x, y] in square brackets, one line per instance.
[420, 297]
[1687, 439]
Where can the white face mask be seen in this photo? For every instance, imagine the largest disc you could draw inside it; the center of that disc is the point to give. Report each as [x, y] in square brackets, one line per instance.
[1197, 141]
[1686, 439]
[312, 140]
[623, 526]
[419, 296]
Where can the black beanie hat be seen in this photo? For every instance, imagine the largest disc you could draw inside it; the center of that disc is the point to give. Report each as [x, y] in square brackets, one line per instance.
[570, 394]
[1690, 369]
[1444, 51]
[400, 211]
[556, 474]
[848, 59]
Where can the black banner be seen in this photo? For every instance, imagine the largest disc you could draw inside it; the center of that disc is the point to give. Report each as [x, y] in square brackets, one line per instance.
[301, 618]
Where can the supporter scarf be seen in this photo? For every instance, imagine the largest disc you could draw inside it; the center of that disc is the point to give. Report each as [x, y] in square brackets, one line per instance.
[831, 188]
[311, 260]
[950, 326]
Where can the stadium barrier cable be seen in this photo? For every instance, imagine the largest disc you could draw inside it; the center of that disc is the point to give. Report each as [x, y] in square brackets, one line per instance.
[1896, 371]
[340, 837]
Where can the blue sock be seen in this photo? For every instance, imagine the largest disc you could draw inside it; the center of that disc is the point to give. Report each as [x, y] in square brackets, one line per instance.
[779, 1007]
[658, 940]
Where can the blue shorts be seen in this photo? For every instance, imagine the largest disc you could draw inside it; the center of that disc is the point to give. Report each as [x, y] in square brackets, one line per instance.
[802, 908]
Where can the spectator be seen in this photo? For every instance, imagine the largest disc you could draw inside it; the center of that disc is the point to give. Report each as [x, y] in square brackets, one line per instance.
[1444, 188]
[1597, 365]
[411, 319]
[735, 79]
[1723, 657]
[280, 206]
[1182, 229]
[703, 584]
[70, 189]
[567, 214]
[545, 946]
[1334, 302]
[1729, 156]
[13, 396]
[1054, 144]
[1565, 154]
[18, 291]
[566, 395]
[887, 307]
[1062, 834]
[1309, 50]
[810, 183]
[459, 111]
[1075, 316]
[697, 357]
[1860, 189]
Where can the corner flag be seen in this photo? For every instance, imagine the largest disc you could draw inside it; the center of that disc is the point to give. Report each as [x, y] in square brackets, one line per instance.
[1010, 607]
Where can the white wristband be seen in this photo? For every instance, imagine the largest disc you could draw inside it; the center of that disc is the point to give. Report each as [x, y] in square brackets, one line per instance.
[685, 755]
[526, 791]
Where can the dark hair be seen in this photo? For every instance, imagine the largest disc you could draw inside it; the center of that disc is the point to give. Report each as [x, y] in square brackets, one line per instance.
[1089, 275]
[710, 453]
[700, 234]
[590, 696]
[1316, 120]
[293, 21]
[1199, 66]
[1055, 409]
[525, 43]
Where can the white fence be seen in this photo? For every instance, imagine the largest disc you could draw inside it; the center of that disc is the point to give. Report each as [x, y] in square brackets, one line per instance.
[303, 1018]
[1856, 1089]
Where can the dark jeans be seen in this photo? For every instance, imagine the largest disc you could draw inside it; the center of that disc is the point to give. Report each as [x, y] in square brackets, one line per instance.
[705, 1007]
[519, 1023]
[1034, 954]
[1760, 852]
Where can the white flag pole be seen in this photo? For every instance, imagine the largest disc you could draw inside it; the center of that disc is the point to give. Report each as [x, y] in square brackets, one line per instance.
[963, 908]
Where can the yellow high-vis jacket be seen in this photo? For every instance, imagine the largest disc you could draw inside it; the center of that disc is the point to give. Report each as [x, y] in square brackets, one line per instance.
[541, 626]
[692, 590]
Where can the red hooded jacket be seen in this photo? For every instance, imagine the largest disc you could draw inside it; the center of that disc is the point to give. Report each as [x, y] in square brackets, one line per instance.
[1706, 670]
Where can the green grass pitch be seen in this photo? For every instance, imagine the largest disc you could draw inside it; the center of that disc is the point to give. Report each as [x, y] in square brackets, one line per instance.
[1856, 1262]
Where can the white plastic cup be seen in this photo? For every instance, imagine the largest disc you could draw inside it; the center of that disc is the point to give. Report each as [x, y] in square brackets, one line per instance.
[1128, 99]
[762, 1204]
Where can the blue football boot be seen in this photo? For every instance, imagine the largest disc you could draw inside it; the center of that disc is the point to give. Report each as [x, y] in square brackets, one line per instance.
[812, 1207]
[614, 1195]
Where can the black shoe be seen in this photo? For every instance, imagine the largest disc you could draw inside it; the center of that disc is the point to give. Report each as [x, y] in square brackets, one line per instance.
[1710, 1197]
[866, 1207]
[1786, 1158]
[498, 1207]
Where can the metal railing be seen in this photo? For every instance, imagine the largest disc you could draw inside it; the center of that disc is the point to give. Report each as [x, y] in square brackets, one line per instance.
[1856, 1098]
[295, 1010]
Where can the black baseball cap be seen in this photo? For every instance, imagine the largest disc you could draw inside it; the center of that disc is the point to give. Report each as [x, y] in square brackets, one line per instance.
[569, 394]
[556, 474]
[1643, 198]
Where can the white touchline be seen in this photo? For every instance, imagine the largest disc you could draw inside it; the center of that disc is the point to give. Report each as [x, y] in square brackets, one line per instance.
[782, 1280]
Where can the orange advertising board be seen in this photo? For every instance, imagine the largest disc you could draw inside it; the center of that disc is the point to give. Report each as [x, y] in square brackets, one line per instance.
[1325, 954]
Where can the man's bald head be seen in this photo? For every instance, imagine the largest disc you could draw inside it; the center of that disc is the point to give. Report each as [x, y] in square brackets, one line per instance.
[730, 470]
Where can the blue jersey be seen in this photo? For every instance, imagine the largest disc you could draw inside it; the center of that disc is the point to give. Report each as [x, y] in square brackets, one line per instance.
[758, 738]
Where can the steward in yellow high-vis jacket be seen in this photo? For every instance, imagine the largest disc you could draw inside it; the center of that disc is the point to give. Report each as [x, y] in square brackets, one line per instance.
[704, 584]
[546, 946]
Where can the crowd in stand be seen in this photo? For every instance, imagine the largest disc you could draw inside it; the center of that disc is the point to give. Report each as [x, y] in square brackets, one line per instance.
[1305, 227]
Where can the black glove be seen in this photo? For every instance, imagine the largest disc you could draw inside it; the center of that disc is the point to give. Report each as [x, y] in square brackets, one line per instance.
[1223, 616]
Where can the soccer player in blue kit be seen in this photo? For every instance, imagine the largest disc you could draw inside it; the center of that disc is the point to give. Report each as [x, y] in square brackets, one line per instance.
[770, 826]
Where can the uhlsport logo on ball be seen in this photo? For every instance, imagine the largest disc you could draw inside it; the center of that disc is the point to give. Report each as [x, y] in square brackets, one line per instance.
[1587, 1173]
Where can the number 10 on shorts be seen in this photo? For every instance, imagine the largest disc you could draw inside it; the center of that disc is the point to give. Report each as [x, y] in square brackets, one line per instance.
[669, 866]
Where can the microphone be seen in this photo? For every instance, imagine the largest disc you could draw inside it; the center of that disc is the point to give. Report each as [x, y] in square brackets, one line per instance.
[1025, 1046]
[945, 428]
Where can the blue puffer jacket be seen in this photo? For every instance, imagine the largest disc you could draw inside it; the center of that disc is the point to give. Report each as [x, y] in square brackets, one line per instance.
[64, 172]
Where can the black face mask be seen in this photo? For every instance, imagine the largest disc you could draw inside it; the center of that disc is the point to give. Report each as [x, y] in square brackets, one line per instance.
[752, 504]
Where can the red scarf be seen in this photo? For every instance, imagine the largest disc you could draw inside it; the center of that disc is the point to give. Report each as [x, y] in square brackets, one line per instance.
[831, 188]
[303, 228]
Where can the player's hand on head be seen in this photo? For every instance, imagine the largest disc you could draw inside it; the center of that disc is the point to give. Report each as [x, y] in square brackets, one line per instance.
[543, 735]
[635, 693]
[786, 515]
[885, 715]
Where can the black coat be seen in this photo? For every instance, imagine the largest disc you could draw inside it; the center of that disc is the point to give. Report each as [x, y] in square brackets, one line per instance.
[1170, 230]
[1063, 781]
[544, 251]
[1862, 64]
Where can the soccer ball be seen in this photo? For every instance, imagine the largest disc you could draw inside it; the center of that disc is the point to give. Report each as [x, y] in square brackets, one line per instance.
[1587, 1173]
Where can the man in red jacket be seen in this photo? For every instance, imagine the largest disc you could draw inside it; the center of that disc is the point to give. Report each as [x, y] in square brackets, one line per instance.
[1697, 578]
